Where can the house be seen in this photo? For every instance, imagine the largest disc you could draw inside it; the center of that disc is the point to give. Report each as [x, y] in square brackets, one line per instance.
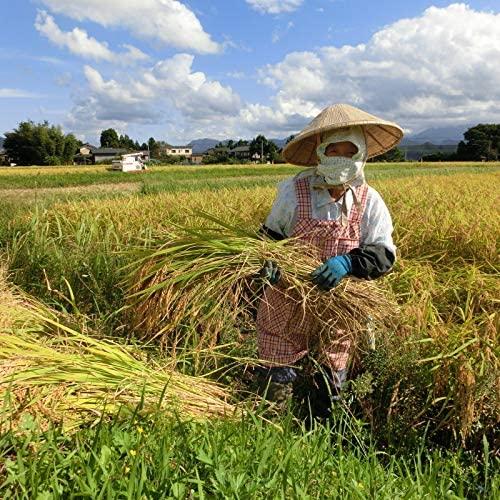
[186, 151]
[241, 152]
[196, 159]
[84, 155]
[104, 154]
[87, 148]
[4, 157]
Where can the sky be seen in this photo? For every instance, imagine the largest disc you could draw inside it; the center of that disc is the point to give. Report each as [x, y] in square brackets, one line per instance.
[187, 69]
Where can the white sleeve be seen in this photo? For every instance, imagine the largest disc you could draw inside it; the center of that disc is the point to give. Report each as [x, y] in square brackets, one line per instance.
[282, 214]
[376, 224]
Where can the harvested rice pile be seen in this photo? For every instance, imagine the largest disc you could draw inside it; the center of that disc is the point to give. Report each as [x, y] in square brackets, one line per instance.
[203, 280]
[57, 374]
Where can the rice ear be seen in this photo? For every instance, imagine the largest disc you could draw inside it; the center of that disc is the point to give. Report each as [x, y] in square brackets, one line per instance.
[203, 280]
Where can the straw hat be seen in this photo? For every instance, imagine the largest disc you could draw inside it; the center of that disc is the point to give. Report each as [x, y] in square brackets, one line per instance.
[380, 135]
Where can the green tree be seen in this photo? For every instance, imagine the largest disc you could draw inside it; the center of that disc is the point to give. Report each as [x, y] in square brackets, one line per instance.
[126, 142]
[218, 154]
[262, 145]
[154, 148]
[393, 155]
[481, 142]
[109, 138]
[40, 144]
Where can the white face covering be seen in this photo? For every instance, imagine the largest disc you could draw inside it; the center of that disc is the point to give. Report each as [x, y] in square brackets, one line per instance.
[339, 169]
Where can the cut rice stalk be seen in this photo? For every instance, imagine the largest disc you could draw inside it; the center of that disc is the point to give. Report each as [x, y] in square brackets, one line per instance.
[56, 373]
[204, 280]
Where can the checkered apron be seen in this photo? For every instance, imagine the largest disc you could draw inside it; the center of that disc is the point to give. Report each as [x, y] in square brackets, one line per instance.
[284, 329]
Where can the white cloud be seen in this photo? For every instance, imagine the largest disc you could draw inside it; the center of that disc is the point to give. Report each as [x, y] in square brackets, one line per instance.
[168, 91]
[275, 6]
[438, 68]
[78, 42]
[166, 21]
[8, 93]
[279, 32]
[64, 79]
[237, 75]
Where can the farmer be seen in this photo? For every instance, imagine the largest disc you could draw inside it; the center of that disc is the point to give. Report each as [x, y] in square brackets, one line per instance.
[331, 207]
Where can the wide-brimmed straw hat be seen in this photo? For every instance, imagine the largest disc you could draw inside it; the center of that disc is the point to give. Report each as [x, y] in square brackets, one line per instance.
[380, 135]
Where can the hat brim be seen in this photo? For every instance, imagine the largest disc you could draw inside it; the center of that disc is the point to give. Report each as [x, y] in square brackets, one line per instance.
[380, 136]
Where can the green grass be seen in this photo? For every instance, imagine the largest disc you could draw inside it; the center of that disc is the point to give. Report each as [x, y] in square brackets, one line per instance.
[45, 177]
[248, 459]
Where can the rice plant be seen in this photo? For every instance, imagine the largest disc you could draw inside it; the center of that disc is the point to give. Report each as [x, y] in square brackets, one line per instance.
[59, 374]
[202, 279]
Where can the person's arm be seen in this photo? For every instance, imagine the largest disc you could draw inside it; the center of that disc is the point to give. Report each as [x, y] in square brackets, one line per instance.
[279, 223]
[373, 258]
[371, 261]
[269, 233]
[278, 226]
[376, 254]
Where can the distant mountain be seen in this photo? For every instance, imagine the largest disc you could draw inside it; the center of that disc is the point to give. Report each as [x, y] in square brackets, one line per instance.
[200, 146]
[438, 135]
[416, 151]
[279, 142]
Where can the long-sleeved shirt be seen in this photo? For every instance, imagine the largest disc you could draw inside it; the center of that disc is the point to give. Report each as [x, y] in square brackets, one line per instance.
[376, 253]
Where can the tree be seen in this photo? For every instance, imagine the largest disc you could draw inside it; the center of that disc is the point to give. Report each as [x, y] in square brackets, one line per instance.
[126, 142]
[218, 154]
[110, 139]
[154, 148]
[482, 142]
[40, 144]
[261, 145]
[393, 155]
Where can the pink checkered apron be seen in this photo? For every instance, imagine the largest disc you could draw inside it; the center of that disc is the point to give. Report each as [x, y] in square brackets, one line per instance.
[284, 329]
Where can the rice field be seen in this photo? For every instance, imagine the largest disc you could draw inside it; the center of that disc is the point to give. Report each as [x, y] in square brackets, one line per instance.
[421, 415]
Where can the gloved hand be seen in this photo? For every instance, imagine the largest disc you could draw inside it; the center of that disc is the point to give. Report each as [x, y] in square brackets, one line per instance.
[329, 274]
[270, 272]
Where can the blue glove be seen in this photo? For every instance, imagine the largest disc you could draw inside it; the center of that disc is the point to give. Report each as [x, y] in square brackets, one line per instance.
[329, 274]
[270, 272]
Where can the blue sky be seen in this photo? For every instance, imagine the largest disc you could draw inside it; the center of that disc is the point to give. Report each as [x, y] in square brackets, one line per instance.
[180, 70]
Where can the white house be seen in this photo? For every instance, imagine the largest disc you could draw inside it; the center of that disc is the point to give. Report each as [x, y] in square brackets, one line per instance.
[186, 151]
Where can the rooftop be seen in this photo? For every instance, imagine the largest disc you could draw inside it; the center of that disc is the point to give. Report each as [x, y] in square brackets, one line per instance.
[108, 151]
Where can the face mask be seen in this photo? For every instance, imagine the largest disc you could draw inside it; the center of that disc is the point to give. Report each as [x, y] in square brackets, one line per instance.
[339, 169]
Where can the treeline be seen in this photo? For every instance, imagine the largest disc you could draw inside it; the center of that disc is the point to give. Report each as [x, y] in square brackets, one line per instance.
[40, 144]
[481, 143]
[43, 144]
[260, 148]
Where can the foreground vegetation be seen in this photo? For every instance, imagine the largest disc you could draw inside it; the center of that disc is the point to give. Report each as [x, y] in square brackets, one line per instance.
[420, 418]
[162, 458]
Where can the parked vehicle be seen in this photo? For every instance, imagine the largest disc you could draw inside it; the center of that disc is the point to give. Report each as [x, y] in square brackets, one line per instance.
[131, 162]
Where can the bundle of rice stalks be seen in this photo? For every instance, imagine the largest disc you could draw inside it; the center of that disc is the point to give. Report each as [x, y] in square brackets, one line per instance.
[203, 279]
[57, 374]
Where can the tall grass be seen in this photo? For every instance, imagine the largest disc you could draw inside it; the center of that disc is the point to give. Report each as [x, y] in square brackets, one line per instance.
[158, 457]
